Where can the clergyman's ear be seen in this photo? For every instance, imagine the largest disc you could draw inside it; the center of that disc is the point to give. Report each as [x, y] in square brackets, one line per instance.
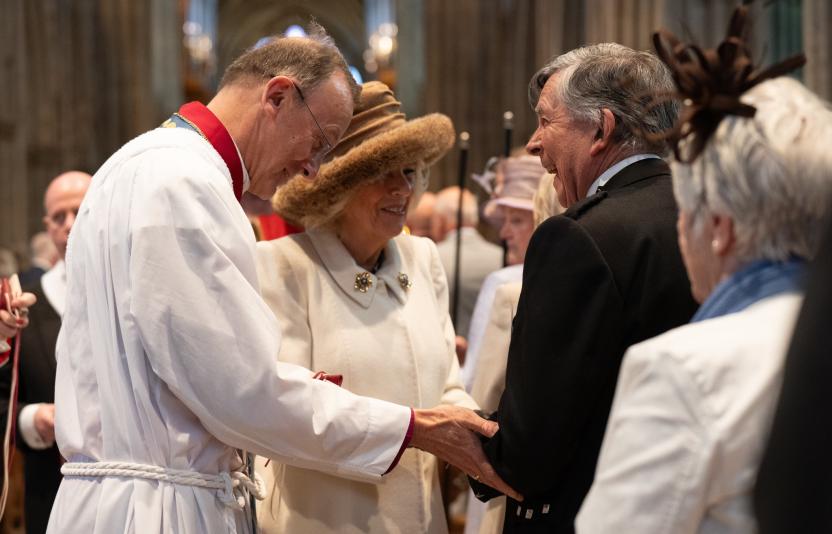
[276, 92]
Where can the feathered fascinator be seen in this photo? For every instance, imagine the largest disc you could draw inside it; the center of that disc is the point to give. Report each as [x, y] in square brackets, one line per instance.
[710, 83]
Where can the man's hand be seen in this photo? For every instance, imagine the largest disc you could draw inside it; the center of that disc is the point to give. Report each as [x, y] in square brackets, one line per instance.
[448, 432]
[9, 324]
[45, 422]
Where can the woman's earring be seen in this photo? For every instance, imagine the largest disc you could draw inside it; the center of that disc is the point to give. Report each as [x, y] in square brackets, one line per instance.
[715, 245]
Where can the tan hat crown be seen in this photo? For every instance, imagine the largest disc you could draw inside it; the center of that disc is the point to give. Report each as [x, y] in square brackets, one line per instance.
[377, 112]
[378, 140]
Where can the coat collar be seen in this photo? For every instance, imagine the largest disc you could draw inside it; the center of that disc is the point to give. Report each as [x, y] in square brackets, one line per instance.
[345, 271]
[636, 172]
[629, 175]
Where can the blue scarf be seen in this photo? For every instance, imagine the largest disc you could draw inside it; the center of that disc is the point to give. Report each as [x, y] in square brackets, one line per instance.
[757, 281]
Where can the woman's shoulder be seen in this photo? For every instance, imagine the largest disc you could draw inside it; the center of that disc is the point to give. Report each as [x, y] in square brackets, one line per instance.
[284, 255]
[508, 293]
[414, 248]
[743, 344]
[287, 246]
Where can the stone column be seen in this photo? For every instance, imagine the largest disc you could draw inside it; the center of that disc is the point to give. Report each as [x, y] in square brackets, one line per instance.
[817, 42]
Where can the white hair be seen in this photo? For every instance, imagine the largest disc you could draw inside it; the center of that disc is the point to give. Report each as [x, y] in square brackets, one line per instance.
[618, 78]
[545, 200]
[771, 174]
[41, 247]
[447, 203]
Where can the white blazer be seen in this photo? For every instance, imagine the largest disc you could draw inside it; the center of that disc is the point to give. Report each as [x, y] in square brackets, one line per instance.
[393, 341]
[688, 425]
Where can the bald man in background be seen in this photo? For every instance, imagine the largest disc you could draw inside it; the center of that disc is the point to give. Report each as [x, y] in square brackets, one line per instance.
[36, 411]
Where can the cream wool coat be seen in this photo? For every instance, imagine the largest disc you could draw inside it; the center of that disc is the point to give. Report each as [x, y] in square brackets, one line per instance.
[391, 342]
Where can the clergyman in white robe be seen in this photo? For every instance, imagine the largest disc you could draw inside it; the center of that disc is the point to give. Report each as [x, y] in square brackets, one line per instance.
[167, 353]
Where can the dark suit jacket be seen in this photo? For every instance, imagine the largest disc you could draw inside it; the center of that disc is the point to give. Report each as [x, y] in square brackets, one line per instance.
[30, 276]
[603, 276]
[794, 483]
[41, 468]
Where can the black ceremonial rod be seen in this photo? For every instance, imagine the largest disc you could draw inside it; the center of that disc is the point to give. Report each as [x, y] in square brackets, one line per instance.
[508, 132]
[464, 138]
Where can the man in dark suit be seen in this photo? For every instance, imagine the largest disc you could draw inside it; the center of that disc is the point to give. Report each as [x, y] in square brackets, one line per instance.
[604, 275]
[36, 409]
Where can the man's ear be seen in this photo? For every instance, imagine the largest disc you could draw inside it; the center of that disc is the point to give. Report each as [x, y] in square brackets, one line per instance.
[276, 93]
[603, 135]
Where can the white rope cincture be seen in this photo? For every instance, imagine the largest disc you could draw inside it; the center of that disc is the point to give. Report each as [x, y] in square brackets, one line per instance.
[232, 488]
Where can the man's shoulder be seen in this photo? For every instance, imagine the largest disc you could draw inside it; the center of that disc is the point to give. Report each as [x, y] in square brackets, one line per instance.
[168, 159]
[639, 209]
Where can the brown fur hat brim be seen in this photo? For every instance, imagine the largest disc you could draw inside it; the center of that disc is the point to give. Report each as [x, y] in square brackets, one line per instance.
[314, 202]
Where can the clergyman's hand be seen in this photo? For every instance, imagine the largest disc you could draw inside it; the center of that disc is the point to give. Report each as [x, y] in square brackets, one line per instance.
[448, 432]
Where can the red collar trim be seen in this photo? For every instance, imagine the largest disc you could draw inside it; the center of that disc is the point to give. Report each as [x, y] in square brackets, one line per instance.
[213, 130]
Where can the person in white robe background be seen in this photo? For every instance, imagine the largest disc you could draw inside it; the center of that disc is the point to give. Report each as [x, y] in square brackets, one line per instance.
[167, 349]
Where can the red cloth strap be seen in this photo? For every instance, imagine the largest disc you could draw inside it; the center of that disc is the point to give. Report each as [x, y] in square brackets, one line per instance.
[407, 437]
[213, 130]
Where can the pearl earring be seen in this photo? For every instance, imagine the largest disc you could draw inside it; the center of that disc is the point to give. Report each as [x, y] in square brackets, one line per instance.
[715, 244]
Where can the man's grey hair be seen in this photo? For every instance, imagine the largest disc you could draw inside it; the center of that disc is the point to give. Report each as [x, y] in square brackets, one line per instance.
[447, 203]
[623, 80]
[771, 174]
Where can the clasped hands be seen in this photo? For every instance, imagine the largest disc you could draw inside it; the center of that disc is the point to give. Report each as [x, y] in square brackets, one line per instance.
[450, 433]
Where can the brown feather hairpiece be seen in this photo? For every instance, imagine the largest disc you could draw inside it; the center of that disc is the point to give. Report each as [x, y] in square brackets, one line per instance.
[710, 83]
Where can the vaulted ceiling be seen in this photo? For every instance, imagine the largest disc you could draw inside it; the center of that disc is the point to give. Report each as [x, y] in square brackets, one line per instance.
[242, 22]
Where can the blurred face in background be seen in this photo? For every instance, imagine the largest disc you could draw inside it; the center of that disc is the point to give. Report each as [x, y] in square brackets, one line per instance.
[420, 216]
[516, 230]
[61, 203]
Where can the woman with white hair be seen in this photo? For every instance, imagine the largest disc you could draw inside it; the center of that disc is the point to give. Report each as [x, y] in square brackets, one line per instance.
[693, 406]
[358, 298]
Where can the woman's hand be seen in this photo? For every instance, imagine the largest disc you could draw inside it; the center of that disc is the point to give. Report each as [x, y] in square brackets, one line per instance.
[9, 324]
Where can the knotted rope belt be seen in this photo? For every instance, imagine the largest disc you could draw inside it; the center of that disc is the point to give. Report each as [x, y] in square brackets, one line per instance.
[232, 487]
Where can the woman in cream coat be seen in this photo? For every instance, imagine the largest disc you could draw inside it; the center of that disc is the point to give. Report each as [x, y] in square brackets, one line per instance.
[358, 298]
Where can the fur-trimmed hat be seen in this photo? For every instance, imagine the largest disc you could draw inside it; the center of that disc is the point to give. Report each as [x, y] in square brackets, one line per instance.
[378, 140]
